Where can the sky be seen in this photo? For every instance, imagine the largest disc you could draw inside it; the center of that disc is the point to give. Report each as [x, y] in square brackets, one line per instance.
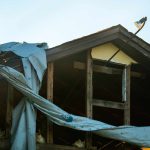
[59, 21]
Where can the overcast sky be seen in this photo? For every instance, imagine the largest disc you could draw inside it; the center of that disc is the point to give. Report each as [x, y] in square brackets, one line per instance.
[59, 21]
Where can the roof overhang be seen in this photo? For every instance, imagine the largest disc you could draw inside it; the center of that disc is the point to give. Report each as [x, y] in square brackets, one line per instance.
[136, 48]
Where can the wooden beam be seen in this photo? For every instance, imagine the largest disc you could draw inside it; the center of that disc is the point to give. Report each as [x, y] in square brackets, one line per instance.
[104, 69]
[81, 44]
[89, 94]
[108, 104]
[50, 72]
[10, 96]
[126, 93]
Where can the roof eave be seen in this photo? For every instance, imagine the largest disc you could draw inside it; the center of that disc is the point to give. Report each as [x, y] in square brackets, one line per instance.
[108, 35]
[82, 44]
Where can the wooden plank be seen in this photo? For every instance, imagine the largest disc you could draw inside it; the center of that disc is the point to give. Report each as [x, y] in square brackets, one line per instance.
[59, 147]
[108, 104]
[89, 94]
[98, 68]
[126, 93]
[69, 48]
[93, 40]
[50, 72]
[104, 69]
[9, 109]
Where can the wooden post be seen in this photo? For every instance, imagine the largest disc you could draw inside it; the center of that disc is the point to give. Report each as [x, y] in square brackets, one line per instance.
[126, 93]
[89, 94]
[50, 72]
[9, 109]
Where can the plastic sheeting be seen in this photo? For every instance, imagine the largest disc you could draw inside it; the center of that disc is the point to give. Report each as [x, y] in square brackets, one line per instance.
[24, 115]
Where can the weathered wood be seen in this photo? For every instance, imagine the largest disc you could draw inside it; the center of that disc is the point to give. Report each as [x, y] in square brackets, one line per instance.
[50, 72]
[89, 94]
[60, 147]
[126, 93]
[109, 35]
[108, 104]
[139, 45]
[83, 43]
[9, 109]
[104, 69]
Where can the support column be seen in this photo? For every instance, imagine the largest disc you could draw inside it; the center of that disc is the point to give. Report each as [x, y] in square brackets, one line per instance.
[50, 72]
[126, 93]
[9, 109]
[89, 94]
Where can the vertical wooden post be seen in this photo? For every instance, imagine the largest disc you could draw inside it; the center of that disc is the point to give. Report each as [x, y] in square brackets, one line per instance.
[126, 93]
[50, 72]
[9, 109]
[89, 94]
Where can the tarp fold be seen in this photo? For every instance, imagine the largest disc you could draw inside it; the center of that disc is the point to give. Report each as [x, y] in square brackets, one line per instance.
[24, 114]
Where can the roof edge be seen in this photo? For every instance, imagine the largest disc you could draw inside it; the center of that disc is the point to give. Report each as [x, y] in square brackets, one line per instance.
[95, 39]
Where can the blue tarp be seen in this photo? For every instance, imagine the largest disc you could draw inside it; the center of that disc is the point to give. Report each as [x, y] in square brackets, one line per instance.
[24, 115]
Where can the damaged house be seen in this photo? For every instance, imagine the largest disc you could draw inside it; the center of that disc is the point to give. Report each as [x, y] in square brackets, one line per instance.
[57, 86]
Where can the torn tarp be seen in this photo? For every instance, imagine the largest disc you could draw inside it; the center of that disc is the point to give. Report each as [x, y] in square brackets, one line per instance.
[25, 112]
[136, 135]
[24, 115]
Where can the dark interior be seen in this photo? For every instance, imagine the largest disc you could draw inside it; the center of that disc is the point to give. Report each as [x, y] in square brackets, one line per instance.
[70, 95]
